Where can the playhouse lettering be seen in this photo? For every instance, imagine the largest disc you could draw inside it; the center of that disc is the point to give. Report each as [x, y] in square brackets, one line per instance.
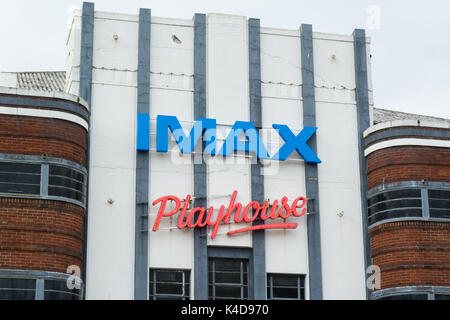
[200, 217]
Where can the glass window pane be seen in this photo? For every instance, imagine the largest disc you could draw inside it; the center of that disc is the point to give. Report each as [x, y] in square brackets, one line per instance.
[228, 265]
[228, 278]
[440, 213]
[8, 283]
[395, 204]
[169, 284]
[66, 193]
[65, 182]
[395, 214]
[169, 288]
[25, 289]
[20, 167]
[439, 194]
[439, 204]
[405, 193]
[17, 294]
[17, 289]
[228, 292]
[28, 178]
[388, 205]
[59, 285]
[20, 188]
[289, 293]
[285, 286]
[66, 172]
[285, 280]
[56, 295]
[169, 276]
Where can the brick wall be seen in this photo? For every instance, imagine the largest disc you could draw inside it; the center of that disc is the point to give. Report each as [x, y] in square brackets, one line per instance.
[406, 163]
[36, 136]
[412, 253]
[40, 234]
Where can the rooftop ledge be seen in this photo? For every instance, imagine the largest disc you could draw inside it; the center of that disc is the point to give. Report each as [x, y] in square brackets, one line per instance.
[189, 23]
[45, 94]
[441, 124]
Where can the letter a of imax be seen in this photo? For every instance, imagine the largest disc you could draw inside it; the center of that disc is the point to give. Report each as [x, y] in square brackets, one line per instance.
[253, 143]
[207, 128]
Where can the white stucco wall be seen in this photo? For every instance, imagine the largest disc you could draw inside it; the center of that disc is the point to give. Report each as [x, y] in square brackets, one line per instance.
[286, 250]
[171, 93]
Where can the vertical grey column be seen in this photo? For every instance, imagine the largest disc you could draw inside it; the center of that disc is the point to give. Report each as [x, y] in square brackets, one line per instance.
[200, 174]
[362, 109]
[257, 179]
[86, 54]
[142, 162]
[85, 92]
[311, 172]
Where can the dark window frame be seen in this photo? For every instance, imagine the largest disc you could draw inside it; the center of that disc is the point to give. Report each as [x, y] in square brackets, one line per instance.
[398, 201]
[40, 289]
[25, 177]
[185, 284]
[391, 203]
[439, 203]
[52, 178]
[300, 286]
[243, 284]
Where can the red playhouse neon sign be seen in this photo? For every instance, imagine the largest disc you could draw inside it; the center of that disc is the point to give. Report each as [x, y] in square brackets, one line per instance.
[195, 217]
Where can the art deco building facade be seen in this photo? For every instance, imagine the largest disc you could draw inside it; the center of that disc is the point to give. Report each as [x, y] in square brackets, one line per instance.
[83, 173]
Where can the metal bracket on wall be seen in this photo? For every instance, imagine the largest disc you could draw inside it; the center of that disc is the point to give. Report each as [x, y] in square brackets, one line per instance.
[310, 206]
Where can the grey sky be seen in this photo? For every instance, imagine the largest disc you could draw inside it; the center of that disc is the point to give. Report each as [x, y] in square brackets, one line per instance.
[411, 50]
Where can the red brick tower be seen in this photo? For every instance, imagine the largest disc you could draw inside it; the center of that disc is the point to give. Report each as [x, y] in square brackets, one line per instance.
[43, 145]
[408, 168]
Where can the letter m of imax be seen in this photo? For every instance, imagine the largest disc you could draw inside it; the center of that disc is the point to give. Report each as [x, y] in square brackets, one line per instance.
[207, 128]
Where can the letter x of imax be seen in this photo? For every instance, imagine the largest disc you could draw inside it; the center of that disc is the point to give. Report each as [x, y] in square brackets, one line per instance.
[207, 127]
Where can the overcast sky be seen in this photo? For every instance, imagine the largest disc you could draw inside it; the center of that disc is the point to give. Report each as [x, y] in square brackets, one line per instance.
[410, 39]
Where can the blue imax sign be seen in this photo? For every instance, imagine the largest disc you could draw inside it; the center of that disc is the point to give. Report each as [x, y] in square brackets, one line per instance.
[207, 128]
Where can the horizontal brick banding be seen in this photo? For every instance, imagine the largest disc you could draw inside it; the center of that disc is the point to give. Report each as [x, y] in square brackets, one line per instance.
[36, 136]
[412, 253]
[408, 163]
[42, 235]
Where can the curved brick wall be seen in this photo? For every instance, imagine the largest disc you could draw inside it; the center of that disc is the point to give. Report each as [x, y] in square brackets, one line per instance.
[41, 234]
[36, 136]
[408, 163]
[410, 253]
